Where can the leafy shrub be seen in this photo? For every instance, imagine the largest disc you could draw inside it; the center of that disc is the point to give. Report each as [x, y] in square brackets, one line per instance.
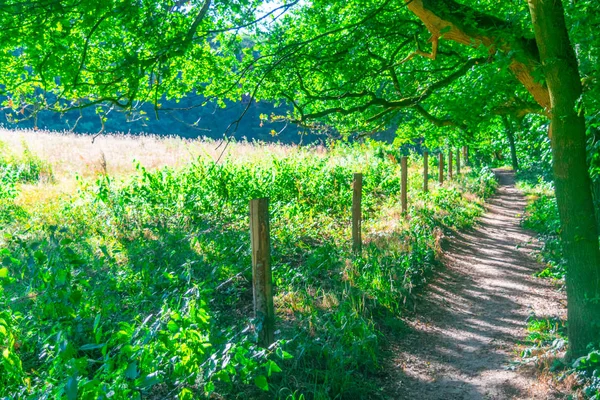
[8, 183]
[26, 168]
[541, 216]
[588, 369]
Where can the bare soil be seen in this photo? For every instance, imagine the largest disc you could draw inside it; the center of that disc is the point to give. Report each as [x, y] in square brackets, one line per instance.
[461, 342]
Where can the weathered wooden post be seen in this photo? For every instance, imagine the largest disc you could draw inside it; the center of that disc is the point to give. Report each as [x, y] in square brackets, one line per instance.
[450, 165]
[357, 213]
[458, 162]
[404, 183]
[425, 171]
[262, 278]
[441, 168]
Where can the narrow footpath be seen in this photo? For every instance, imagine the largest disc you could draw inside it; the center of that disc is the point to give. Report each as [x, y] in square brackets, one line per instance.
[468, 323]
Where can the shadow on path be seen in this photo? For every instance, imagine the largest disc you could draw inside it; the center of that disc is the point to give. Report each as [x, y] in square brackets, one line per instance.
[462, 338]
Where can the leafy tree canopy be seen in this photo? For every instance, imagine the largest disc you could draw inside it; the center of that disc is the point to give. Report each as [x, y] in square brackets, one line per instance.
[360, 65]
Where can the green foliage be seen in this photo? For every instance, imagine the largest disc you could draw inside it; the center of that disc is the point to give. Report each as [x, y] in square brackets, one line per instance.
[542, 332]
[541, 216]
[27, 168]
[546, 337]
[8, 183]
[588, 370]
[143, 287]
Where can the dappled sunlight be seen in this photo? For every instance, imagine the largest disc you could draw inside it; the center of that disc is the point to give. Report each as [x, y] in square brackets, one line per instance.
[475, 313]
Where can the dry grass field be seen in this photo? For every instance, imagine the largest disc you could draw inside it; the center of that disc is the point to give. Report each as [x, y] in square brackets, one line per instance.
[72, 155]
[115, 154]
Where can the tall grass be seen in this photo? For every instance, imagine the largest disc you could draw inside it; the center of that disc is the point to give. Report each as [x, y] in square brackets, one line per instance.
[141, 286]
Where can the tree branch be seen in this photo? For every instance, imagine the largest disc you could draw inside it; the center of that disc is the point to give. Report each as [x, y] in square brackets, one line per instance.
[450, 20]
[438, 121]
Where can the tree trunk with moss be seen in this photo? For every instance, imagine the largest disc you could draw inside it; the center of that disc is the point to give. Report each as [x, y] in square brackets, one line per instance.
[579, 232]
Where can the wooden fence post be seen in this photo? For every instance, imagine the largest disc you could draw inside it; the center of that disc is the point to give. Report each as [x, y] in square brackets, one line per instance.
[458, 162]
[450, 165]
[262, 278]
[425, 171]
[441, 168]
[404, 183]
[356, 213]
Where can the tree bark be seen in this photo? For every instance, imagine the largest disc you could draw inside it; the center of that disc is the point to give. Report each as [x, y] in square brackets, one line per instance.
[596, 197]
[510, 134]
[579, 233]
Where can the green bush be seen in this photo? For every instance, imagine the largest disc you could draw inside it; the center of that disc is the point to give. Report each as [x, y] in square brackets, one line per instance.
[541, 216]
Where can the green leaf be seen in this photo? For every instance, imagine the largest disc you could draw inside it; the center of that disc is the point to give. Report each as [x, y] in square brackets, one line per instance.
[209, 388]
[223, 376]
[91, 346]
[284, 355]
[261, 382]
[40, 257]
[272, 367]
[186, 394]
[150, 380]
[172, 326]
[132, 371]
[3, 273]
[71, 388]
[445, 29]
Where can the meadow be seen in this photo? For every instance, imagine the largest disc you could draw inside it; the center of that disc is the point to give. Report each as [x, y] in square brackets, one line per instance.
[125, 265]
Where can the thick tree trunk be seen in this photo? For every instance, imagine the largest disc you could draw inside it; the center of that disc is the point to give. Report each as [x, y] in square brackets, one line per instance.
[450, 20]
[573, 194]
[596, 195]
[510, 134]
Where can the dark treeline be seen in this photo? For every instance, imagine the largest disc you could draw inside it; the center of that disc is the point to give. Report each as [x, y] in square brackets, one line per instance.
[184, 118]
[187, 118]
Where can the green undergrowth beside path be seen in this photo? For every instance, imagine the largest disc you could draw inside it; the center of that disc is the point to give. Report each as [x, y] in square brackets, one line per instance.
[141, 288]
[548, 338]
[541, 216]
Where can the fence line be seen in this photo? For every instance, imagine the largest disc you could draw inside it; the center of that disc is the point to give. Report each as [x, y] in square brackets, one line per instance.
[262, 278]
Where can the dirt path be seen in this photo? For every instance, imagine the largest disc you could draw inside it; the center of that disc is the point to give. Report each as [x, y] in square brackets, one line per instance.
[472, 316]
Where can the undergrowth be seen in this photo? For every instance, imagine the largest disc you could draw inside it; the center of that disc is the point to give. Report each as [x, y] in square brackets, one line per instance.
[15, 170]
[541, 216]
[142, 288]
[549, 337]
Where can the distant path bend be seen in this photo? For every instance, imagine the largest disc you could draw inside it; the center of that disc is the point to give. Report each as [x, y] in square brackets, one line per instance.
[474, 313]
